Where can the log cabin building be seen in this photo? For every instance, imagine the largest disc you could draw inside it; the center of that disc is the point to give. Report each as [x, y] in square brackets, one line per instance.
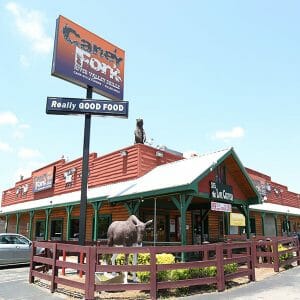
[191, 200]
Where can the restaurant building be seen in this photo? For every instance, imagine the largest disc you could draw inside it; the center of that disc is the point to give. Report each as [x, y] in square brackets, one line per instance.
[191, 200]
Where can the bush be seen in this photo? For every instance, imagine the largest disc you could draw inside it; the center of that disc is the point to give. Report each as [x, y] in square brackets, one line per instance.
[230, 268]
[285, 256]
[178, 274]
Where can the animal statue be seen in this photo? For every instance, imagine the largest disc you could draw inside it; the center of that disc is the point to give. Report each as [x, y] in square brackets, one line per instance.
[139, 133]
[126, 233]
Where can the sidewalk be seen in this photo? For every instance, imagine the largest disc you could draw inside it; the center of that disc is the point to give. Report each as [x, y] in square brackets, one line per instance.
[278, 286]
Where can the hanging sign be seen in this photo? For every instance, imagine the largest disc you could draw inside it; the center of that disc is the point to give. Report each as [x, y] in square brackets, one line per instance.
[85, 59]
[237, 219]
[64, 106]
[218, 206]
[221, 191]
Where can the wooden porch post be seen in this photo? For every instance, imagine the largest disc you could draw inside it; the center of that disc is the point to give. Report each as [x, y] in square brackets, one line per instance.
[227, 223]
[69, 213]
[47, 212]
[31, 216]
[17, 221]
[182, 205]
[275, 221]
[6, 223]
[263, 223]
[248, 228]
[96, 207]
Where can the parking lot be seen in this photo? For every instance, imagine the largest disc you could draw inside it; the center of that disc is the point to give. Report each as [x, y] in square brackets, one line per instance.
[14, 286]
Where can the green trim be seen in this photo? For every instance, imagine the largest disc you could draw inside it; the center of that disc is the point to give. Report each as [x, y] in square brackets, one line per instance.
[69, 213]
[133, 207]
[31, 216]
[96, 207]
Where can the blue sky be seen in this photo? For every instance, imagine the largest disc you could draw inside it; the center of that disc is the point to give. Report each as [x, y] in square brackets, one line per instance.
[204, 75]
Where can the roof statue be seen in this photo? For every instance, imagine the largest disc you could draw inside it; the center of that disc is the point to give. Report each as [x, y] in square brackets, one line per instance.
[139, 133]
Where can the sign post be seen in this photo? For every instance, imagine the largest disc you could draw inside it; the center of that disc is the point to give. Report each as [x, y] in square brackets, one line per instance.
[89, 61]
[85, 171]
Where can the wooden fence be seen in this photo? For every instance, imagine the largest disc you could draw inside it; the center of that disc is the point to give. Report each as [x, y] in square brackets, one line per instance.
[88, 261]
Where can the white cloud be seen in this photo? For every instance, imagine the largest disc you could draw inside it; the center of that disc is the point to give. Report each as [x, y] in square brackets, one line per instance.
[234, 133]
[19, 133]
[8, 118]
[4, 147]
[27, 153]
[30, 24]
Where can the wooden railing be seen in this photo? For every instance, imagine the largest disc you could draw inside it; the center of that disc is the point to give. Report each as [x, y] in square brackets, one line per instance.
[88, 260]
[275, 252]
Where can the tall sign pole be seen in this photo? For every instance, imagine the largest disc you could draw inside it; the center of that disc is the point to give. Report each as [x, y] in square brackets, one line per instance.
[89, 61]
[85, 171]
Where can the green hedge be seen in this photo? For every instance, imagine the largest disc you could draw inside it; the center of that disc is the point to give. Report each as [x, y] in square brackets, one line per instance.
[178, 274]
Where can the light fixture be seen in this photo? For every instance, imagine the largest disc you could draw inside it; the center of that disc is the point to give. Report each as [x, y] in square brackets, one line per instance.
[123, 153]
[159, 154]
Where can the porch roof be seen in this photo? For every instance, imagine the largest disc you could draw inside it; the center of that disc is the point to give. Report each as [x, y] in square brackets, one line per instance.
[93, 195]
[179, 176]
[275, 208]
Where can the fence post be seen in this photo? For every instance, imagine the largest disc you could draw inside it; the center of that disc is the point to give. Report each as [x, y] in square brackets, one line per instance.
[32, 264]
[298, 251]
[54, 268]
[63, 271]
[252, 249]
[220, 268]
[90, 273]
[276, 256]
[153, 276]
[254, 252]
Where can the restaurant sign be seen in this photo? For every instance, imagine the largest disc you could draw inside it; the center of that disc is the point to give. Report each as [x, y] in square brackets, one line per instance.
[85, 59]
[43, 180]
[221, 191]
[75, 106]
[218, 206]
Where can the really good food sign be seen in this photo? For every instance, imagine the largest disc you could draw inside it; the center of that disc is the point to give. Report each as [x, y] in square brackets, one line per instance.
[83, 58]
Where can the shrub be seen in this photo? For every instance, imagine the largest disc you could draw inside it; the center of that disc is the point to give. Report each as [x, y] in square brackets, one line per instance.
[230, 268]
[285, 256]
[178, 274]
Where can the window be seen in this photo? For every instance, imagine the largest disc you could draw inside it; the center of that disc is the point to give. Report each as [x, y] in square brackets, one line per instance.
[56, 230]
[74, 228]
[40, 226]
[252, 226]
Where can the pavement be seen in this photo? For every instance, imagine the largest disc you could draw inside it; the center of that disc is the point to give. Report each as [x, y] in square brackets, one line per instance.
[14, 286]
[281, 286]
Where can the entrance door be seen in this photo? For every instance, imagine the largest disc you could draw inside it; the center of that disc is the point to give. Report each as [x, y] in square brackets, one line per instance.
[270, 225]
[200, 229]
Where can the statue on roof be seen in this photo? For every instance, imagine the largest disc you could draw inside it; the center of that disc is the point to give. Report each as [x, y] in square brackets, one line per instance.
[139, 133]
